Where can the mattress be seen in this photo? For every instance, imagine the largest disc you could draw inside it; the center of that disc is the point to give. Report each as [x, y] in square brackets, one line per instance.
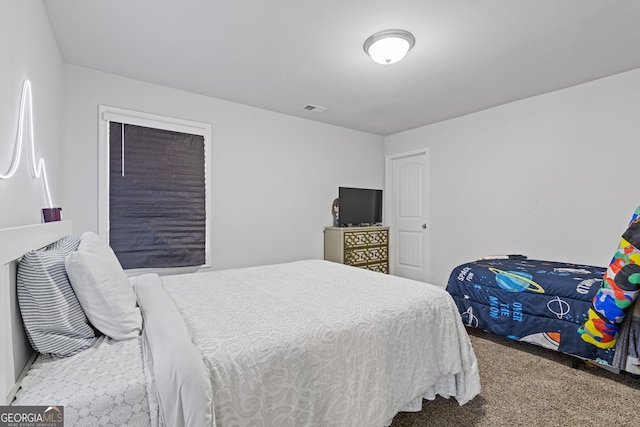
[541, 302]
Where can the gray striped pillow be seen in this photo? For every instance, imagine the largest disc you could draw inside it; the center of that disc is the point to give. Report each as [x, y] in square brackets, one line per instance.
[53, 318]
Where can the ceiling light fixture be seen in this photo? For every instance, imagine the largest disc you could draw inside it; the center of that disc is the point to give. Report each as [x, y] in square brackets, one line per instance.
[389, 46]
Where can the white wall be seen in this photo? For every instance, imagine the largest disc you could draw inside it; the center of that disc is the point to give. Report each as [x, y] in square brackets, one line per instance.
[274, 176]
[552, 177]
[549, 176]
[28, 51]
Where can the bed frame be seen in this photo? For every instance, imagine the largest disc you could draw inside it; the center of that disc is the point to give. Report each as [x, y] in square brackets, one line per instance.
[487, 291]
[16, 354]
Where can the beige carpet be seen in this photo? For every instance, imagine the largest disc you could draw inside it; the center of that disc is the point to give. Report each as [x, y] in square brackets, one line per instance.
[526, 385]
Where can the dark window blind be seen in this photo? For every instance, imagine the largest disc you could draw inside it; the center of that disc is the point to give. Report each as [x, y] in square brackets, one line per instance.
[157, 214]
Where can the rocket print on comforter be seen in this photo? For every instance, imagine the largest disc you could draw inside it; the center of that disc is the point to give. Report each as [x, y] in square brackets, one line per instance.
[618, 291]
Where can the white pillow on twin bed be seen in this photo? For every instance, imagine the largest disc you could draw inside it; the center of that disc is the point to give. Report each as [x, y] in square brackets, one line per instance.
[52, 315]
[103, 289]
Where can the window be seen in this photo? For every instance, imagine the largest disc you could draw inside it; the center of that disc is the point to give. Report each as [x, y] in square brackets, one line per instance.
[154, 180]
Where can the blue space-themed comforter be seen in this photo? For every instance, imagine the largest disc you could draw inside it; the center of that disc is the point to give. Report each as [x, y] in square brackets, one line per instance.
[540, 302]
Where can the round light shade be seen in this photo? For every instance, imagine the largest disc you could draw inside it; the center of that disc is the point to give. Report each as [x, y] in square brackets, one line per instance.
[389, 46]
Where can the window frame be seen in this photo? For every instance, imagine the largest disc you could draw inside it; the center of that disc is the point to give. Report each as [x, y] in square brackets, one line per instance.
[107, 114]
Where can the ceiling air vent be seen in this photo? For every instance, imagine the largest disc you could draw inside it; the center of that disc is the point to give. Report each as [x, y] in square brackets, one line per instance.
[315, 108]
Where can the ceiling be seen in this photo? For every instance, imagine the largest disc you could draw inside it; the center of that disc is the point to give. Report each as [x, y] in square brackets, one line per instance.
[281, 55]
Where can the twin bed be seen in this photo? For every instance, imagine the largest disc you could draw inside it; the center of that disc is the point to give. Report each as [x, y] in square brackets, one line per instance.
[581, 310]
[304, 343]
[540, 302]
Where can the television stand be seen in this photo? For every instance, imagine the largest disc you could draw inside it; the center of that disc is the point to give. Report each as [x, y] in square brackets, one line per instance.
[364, 247]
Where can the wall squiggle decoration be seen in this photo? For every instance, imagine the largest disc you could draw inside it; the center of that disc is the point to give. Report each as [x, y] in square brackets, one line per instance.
[38, 169]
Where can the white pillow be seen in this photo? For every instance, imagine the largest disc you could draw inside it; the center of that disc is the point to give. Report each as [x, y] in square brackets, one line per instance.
[103, 289]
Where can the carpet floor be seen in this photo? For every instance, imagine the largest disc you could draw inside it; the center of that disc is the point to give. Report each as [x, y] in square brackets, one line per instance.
[526, 385]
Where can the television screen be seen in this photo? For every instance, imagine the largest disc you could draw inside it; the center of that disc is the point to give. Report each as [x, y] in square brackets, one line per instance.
[359, 206]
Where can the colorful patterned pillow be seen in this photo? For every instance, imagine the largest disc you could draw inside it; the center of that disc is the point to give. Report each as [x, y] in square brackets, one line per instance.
[619, 289]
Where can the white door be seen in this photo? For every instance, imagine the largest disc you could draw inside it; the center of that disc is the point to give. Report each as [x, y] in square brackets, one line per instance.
[407, 178]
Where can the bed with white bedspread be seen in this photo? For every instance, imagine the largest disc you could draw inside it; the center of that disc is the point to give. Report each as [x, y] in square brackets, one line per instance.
[306, 343]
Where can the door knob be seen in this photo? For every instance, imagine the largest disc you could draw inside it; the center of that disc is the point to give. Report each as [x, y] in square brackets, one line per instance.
[424, 226]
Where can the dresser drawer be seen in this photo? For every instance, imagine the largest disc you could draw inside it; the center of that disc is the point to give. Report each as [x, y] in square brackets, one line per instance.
[380, 267]
[357, 239]
[366, 255]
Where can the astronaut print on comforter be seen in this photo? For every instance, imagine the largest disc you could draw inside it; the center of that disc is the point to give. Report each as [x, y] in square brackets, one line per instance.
[541, 302]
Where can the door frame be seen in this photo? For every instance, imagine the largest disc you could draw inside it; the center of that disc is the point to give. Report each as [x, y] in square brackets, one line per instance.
[388, 200]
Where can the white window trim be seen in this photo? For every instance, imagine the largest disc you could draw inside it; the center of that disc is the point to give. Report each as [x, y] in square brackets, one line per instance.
[108, 114]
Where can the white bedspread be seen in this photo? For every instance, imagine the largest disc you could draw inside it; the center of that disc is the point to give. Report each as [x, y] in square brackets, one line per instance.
[104, 385]
[314, 343]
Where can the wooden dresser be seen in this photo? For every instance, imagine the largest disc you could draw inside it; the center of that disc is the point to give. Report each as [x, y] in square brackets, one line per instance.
[365, 247]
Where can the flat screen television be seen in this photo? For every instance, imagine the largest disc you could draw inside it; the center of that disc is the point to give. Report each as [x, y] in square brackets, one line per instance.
[359, 206]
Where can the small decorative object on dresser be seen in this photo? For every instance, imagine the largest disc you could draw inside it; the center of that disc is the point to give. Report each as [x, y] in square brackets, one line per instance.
[365, 247]
[335, 212]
